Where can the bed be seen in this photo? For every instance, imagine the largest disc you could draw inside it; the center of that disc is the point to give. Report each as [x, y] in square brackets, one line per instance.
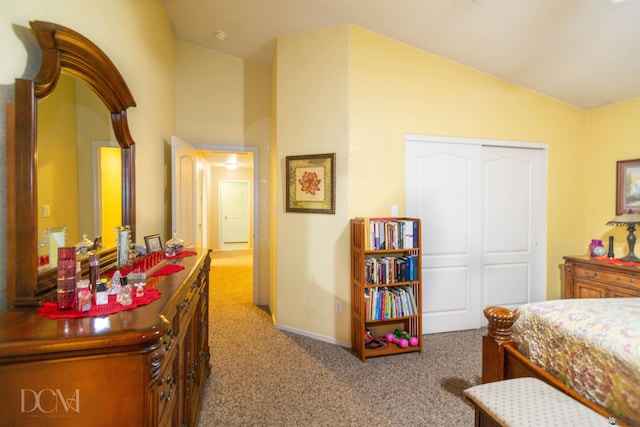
[588, 348]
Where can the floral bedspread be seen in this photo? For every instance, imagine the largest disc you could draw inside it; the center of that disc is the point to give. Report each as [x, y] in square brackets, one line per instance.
[592, 345]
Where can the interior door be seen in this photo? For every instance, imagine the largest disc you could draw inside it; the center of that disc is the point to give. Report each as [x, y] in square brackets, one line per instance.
[234, 212]
[183, 190]
[482, 226]
[444, 190]
[511, 226]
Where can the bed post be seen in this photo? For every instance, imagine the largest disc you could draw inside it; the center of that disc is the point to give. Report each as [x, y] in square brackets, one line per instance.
[493, 344]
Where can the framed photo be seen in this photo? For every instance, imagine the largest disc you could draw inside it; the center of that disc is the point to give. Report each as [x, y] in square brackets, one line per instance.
[153, 243]
[122, 245]
[628, 186]
[311, 183]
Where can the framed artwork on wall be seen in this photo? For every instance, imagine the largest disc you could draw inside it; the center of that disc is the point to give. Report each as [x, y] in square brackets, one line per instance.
[311, 183]
[628, 186]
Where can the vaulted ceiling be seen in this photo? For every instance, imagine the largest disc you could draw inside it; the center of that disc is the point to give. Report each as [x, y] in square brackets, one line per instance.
[582, 52]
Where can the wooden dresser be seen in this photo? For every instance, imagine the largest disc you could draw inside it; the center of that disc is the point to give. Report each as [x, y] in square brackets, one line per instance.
[141, 367]
[589, 278]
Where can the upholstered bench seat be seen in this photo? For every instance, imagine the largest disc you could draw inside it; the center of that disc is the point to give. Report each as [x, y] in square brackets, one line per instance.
[529, 402]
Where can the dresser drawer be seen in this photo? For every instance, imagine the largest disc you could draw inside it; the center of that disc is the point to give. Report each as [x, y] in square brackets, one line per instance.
[605, 276]
[592, 278]
[167, 391]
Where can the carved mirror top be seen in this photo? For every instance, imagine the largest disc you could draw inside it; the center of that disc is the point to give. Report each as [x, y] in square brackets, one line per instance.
[63, 48]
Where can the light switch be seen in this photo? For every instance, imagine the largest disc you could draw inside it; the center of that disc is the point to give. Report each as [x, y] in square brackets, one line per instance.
[46, 211]
[394, 210]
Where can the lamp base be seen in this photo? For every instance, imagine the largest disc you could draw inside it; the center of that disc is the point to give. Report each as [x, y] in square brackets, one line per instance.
[630, 258]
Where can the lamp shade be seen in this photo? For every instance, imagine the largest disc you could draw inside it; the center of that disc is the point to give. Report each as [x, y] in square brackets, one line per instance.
[625, 219]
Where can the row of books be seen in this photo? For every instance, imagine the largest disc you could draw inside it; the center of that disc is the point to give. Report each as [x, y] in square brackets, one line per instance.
[391, 234]
[390, 303]
[385, 270]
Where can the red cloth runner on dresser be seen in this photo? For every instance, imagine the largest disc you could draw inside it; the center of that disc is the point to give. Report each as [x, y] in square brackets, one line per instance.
[616, 261]
[50, 309]
[181, 254]
[162, 271]
[166, 270]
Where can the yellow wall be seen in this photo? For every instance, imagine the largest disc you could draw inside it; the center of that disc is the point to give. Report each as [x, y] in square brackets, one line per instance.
[58, 162]
[312, 250]
[136, 35]
[94, 124]
[614, 134]
[419, 93]
[111, 193]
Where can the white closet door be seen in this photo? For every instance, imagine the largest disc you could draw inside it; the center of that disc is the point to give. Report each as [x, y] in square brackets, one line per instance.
[510, 255]
[444, 189]
[482, 228]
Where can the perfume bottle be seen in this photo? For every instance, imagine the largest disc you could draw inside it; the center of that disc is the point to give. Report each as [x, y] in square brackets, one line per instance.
[66, 284]
[124, 292]
[84, 296]
[101, 293]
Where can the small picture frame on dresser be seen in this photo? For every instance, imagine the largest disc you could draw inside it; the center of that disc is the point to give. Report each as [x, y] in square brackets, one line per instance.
[628, 186]
[153, 243]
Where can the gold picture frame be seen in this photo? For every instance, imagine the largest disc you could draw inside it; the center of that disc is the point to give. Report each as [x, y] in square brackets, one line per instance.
[628, 186]
[311, 183]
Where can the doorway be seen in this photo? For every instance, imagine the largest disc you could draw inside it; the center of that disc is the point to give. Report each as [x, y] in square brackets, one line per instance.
[231, 163]
[482, 206]
[234, 214]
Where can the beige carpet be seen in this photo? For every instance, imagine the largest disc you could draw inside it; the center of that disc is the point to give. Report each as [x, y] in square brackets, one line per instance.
[262, 376]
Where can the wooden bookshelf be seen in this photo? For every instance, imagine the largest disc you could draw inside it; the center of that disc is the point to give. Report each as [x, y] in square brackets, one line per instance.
[386, 259]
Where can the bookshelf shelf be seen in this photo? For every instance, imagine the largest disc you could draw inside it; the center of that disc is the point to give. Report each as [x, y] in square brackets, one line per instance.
[386, 281]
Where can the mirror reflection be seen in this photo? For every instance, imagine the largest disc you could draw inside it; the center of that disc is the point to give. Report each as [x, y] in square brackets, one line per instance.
[79, 166]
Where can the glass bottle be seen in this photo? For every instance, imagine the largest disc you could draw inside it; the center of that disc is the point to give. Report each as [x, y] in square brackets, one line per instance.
[94, 271]
[101, 293]
[596, 248]
[124, 292]
[84, 296]
[66, 284]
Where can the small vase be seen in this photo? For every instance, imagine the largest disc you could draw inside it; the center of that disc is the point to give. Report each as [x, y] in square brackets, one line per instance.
[596, 248]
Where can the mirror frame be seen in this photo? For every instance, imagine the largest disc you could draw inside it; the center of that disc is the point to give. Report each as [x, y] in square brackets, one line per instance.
[62, 49]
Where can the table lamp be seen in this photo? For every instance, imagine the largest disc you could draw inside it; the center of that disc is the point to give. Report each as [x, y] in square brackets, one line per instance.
[629, 220]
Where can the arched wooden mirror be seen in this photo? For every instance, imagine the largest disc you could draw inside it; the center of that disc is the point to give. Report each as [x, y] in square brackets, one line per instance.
[63, 50]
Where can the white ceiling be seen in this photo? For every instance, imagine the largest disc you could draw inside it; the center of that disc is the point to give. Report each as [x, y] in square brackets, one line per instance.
[583, 52]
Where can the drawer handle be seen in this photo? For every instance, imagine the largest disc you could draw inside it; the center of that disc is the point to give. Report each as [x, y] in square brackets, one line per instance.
[167, 344]
[185, 305]
[590, 274]
[166, 396]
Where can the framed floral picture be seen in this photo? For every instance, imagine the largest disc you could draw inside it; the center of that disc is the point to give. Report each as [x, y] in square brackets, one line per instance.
[311, 183]
[628, 186]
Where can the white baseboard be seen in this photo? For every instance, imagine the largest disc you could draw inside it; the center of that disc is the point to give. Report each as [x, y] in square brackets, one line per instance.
[318, 337]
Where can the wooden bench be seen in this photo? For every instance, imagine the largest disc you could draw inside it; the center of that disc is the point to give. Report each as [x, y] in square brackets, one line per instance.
[531, 402]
